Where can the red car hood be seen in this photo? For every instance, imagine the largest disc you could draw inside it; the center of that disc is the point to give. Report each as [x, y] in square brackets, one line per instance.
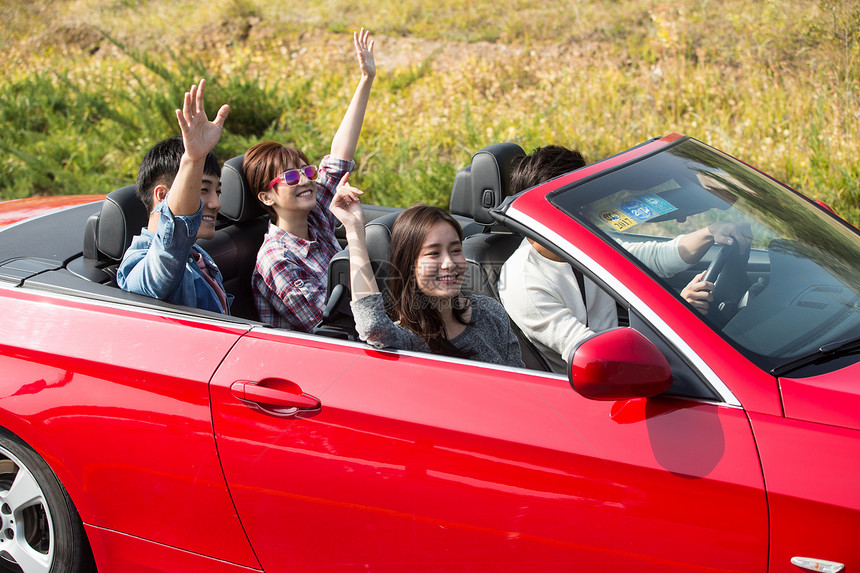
[832, 398]
[20, 209]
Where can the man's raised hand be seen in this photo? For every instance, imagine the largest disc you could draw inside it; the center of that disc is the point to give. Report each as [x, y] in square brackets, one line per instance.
[199, 135]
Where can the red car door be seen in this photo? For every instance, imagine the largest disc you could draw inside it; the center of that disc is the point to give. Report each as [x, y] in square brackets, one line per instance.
[117, 402]
[420, 463]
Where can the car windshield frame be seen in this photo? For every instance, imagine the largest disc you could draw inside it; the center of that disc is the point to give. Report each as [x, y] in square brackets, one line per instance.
[813, 256]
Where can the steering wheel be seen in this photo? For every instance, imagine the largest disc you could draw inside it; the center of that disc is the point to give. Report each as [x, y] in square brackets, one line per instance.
[728, 273]
[718, 264]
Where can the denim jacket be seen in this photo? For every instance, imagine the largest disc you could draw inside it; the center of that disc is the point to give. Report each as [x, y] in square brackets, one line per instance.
[160, 265]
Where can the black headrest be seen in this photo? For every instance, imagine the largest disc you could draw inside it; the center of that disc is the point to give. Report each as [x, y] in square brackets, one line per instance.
[121, 218]
[378, 236]
[238, 203]
[485, 183]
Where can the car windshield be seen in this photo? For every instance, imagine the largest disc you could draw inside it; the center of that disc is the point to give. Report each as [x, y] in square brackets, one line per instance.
[789, 300]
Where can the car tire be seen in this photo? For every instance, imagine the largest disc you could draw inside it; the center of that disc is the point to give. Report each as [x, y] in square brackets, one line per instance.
[40, 530]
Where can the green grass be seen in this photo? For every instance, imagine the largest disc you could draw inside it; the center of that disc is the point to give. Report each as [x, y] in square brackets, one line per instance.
[775, 83]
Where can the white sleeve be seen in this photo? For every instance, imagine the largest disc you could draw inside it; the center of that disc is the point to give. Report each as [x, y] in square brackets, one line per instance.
[553, 323]
[546, 303]
[662, 257]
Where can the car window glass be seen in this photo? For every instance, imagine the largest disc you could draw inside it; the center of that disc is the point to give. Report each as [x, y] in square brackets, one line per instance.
[795, 291]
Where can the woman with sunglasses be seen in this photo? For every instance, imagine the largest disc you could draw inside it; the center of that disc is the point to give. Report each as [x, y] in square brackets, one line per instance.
[289, 281]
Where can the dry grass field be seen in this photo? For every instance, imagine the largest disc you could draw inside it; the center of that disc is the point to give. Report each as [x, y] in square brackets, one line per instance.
[88, 85]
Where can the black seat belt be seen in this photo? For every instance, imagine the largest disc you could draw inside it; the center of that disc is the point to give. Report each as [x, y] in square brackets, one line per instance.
[580, 280]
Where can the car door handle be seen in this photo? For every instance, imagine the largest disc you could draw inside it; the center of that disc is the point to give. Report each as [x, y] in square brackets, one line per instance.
[286, 395]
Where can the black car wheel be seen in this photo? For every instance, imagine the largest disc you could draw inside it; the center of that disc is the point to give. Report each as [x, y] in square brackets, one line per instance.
[40, 530]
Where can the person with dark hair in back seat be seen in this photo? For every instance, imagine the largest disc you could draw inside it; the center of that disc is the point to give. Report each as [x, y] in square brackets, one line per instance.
[555, 308]
[179, 183]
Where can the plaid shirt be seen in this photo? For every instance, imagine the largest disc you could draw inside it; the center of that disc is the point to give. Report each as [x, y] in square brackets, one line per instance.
[289, 281]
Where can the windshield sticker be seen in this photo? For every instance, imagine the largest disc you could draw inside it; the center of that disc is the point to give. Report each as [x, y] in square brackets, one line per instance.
[646, 207]
[617, 219]
[659, 205]
[636, 209]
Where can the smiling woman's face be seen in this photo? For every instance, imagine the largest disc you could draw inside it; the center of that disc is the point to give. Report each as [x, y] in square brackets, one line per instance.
[299, 197]
[441, 263]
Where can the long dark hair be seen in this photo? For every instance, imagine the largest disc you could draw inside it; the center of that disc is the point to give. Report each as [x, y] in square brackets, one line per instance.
[408, 304]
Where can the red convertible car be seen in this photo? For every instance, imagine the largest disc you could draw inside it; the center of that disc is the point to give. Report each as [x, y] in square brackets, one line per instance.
[137, 435]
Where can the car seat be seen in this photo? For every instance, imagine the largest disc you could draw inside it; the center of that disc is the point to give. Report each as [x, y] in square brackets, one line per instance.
[235, 245]
[108, 233]
[479, 188]
[337, 320]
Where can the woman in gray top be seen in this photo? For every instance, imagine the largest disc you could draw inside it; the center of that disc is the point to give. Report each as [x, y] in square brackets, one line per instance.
[428, 311]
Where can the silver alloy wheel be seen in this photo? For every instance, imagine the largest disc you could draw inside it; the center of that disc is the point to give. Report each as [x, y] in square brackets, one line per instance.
[26, 535]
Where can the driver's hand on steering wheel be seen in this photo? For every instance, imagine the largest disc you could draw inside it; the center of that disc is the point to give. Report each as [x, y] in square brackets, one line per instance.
[729, 233]
[698, 293]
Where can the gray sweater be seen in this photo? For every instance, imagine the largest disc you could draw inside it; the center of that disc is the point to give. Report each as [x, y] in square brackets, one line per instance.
[488, 333]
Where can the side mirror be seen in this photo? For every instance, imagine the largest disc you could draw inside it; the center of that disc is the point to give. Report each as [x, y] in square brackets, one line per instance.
[619, 364]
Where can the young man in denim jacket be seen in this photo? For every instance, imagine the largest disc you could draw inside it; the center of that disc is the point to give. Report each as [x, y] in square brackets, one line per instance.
[179, 182]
